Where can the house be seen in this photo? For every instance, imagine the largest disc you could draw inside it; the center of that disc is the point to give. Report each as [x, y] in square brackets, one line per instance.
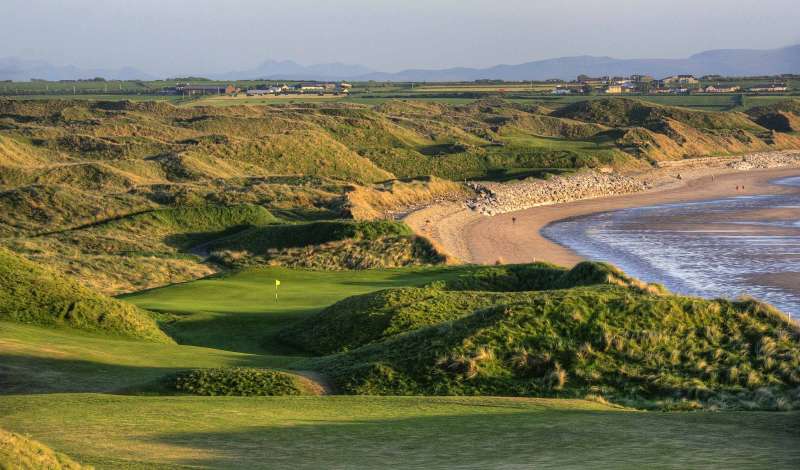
[310, 87]
[613, 89]
[641, 78]
[258, 92]
[721, 89]
[206, 89]
[769, 88]
[587, 80]
[679, 80]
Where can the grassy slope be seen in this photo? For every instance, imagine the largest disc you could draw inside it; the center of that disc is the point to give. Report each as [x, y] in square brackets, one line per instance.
[19, 452]
[612, 341]
[32, 294]
[327, 245]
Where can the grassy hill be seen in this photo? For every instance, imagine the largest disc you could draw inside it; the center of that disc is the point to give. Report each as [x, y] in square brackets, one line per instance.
[374, 317]
[782, 116]
[326, 245]
[629, 343]
[19, 452]
[32, 294]
[78, 178]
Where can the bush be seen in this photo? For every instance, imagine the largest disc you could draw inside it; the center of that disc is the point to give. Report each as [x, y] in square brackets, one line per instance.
[238, 381]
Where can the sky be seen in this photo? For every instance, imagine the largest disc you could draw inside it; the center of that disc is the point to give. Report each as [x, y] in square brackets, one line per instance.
[170, 37]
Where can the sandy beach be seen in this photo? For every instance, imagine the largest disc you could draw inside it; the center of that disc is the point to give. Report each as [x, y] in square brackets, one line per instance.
[515, 237]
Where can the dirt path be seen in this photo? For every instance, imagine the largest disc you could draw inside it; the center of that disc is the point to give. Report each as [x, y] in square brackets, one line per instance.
[515, 237]
[315, 382]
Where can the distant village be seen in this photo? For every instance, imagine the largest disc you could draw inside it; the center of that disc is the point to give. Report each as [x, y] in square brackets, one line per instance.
[675, 84]
[303, 88]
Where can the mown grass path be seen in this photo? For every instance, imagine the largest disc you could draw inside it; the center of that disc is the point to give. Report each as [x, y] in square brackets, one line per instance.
[396, 432]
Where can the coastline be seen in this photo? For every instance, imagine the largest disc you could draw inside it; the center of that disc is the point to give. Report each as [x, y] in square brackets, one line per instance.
[475, 238]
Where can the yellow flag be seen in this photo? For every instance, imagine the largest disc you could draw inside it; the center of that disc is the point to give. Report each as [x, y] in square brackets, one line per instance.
[277, 283]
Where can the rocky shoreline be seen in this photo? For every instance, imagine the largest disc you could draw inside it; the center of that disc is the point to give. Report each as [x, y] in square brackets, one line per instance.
[499, 198]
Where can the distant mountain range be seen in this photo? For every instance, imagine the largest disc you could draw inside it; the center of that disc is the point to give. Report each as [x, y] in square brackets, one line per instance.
[21, 70]
[729, 62]
[289, 70]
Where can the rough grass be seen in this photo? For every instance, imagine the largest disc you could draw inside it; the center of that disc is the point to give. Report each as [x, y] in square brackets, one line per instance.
[374, 317]
[20, 452]
[624, 341]
[327, 245]
[32, 294]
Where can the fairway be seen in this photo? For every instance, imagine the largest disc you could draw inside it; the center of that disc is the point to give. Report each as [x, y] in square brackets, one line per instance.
[396, 432]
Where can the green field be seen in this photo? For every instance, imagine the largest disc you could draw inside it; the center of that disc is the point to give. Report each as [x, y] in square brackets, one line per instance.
[91, 397]
[395, 432]
[239, 312]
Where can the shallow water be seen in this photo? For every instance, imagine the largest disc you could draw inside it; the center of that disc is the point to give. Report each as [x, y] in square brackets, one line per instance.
[746, 245]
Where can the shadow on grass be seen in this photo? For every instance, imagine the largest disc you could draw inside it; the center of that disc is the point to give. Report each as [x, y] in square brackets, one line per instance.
[526, 439]
[252, 333]
[20, 374]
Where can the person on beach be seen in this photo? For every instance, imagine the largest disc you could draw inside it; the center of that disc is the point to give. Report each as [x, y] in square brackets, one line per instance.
[513, 220]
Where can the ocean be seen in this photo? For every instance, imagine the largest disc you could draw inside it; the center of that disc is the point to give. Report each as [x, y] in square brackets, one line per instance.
[745, 245]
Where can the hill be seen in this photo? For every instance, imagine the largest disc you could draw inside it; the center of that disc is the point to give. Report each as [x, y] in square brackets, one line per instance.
[32, 294]
[726, 62]
[85, 186]
[19, 452]
[374, 317]
[628, 343]
[783, 116]
[328, 245]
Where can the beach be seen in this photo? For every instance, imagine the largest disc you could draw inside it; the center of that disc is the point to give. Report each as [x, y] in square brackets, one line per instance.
[515, 237]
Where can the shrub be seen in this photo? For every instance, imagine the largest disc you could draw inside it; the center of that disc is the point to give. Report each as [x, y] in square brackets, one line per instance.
[238, 381]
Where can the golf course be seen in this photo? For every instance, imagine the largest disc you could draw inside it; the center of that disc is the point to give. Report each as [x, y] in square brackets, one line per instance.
[235, 287]
[103, 400]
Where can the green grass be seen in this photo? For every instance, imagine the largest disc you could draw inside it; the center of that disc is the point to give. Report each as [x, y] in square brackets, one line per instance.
[18, 451]
[35, 295]
[395, 432]
[238, 312]
[46, 360]
[48, 373]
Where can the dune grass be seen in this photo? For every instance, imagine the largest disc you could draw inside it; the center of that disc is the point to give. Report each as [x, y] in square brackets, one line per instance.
[32, 294]
[19, 452]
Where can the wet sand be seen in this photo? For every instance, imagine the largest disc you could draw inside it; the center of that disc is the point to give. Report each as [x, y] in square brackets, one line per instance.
[516, 237]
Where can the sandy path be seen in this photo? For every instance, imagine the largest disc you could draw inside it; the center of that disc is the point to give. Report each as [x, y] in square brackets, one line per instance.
[475, 238]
